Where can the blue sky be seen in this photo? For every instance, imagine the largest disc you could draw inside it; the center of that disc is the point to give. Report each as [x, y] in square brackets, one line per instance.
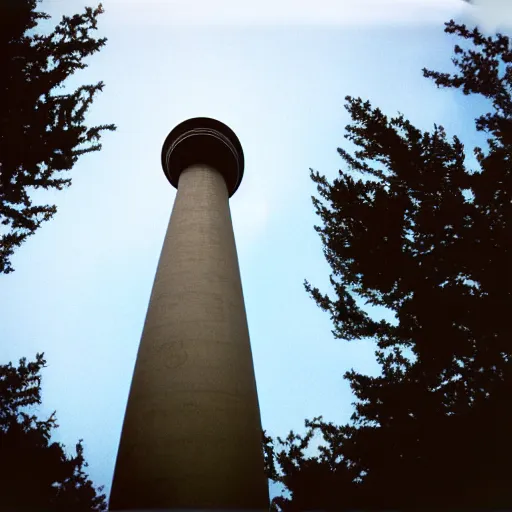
[277, 74]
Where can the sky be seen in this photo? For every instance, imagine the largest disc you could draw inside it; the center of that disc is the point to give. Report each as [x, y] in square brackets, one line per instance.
[277, 74]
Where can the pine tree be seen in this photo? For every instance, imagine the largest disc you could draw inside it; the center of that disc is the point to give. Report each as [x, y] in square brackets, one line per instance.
[411, 227]
[42, 129]
[35, 473]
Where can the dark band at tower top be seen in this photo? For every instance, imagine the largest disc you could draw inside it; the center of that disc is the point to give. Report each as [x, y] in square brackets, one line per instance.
[202, 140]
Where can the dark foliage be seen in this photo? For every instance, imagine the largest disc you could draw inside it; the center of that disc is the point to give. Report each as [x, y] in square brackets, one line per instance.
[42, 131]
[35, 473]
[410, 227]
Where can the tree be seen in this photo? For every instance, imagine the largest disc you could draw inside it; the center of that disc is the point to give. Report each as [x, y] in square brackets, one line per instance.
[409, 226]
[42, 132]
[35, 473]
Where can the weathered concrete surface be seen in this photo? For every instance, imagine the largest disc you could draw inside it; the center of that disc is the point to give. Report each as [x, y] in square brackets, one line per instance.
[192, 432]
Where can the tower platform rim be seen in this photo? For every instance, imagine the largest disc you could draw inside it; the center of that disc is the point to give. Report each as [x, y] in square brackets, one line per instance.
[194, 132]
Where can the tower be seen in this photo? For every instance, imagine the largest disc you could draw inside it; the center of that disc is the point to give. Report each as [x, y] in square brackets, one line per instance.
[191, 436]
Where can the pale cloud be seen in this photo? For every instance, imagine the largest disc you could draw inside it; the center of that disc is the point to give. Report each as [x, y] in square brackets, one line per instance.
[492, 15]
[287, 12]
[250, 218]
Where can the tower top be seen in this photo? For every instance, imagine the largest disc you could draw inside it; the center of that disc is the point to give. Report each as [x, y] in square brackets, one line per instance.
[202, 140]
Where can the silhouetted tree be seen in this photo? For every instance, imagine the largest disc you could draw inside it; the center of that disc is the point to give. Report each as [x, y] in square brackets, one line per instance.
[35, 473]
[42, 130]
[410, 227]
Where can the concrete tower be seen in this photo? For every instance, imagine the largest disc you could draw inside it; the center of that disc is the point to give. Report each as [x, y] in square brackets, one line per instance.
[191, 436]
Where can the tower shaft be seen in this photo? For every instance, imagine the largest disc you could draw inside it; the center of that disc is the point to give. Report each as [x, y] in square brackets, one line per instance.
[192, 433]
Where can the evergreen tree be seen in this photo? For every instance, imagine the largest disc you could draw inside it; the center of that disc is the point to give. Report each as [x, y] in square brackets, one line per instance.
[42, 129]
[35, 473]
[409, 226]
